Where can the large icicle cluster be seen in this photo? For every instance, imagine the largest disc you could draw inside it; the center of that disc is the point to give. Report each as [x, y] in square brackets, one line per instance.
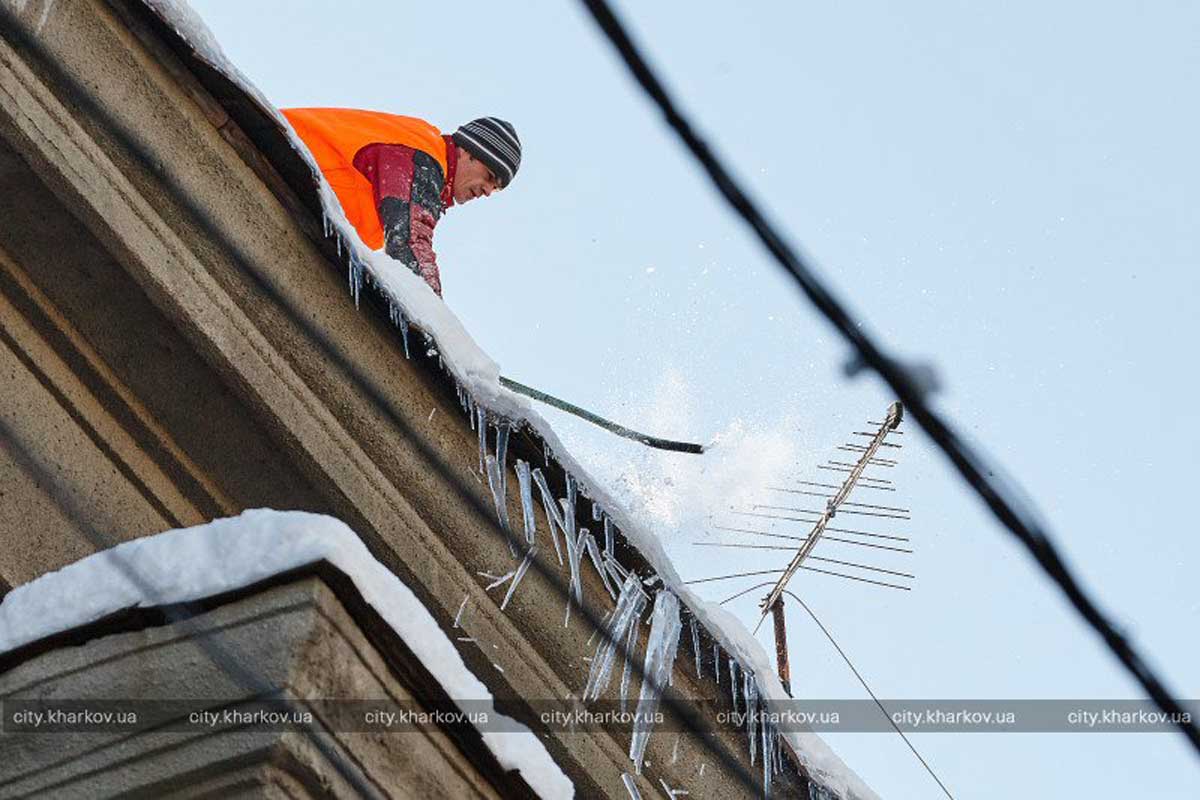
[623, 620]
[656, 673]
[572, 546]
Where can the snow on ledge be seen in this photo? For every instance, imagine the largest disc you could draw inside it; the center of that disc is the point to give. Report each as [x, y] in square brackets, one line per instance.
[189, 564]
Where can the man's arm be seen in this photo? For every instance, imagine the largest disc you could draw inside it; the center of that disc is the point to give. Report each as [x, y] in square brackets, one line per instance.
[408, 186]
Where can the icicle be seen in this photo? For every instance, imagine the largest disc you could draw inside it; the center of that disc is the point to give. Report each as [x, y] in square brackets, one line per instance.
[356, 270]
[671, 793]
[593, 550]
[717, 662]
[596, 632]
[482, 415]
[661, 648]
[461, 608]
[779, 764]
[675, 750]
[631, 649]
[497, 475]
[502, 433]
[521, 570]
[396, 315]
[339, 245]
[608, 535]
[751, 697]
[696, 648]
[496, 484]
[597, 512]
[629, 605]
[573, 562]
[404, 335]
[526, 488]
[326, 224]
[630, 786]
[569, 506]
[768, 758]
[498, 581]
[502, 444]
[471, 410]
[615, 568]
[733, 682]
[553, 516]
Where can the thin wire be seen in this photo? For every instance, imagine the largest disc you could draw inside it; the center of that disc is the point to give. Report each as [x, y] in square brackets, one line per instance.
[871, 545]
[878, 514]
[854, 578]
[858, 486]
[745, 591]
[834, 538]
[734, 575]
[1014, 513]
[803, 538]
[834, 468]
[835, 530]
[863, 681]
[867, 567]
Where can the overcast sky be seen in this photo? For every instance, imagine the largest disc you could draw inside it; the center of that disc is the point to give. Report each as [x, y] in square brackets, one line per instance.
[1008, 191]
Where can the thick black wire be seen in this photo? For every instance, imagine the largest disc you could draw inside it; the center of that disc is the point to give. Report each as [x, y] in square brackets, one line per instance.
[82, 100]
[1015, 514]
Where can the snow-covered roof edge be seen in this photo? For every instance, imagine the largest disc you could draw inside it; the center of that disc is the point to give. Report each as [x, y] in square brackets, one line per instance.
[413, 302]
[189, 564]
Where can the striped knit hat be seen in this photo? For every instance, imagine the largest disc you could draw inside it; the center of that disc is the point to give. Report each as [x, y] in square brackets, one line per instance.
[494, 142]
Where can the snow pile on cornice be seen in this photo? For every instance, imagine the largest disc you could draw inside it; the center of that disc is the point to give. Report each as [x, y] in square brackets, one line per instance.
[190, 564]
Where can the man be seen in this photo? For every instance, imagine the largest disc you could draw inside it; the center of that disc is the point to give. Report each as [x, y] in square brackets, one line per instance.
[395, 176]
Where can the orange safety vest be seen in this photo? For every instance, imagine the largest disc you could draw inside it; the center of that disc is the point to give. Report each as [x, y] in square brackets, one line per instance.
[335, 135]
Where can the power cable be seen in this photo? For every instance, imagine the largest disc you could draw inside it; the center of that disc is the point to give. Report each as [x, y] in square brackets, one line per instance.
[1013, 513]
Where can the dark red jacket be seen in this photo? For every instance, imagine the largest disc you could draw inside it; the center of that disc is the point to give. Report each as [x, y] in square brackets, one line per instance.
[411, 194]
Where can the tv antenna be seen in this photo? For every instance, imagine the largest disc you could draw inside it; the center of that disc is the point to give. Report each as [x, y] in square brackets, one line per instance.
[836, 496]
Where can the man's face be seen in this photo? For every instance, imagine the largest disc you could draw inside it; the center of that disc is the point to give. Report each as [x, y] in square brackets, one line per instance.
[472, 179]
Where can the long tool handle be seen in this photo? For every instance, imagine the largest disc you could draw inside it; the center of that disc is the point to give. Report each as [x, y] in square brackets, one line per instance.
[612, 427]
